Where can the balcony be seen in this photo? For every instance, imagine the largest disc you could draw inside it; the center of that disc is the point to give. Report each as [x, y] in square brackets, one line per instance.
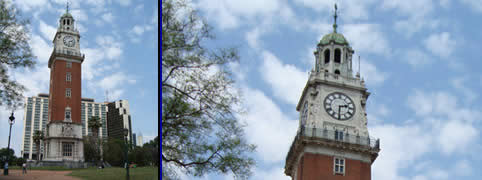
[330, 138]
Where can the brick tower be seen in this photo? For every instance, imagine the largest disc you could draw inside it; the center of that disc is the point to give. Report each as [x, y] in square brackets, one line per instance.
[332, 141]
[63, 138]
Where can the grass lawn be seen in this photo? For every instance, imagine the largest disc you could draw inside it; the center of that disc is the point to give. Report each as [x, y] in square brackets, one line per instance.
[117, 173]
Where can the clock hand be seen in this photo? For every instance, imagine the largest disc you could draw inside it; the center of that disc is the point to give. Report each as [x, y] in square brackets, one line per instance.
[339, 110]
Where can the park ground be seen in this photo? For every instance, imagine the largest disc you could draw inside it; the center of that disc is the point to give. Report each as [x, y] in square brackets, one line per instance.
[53, 173]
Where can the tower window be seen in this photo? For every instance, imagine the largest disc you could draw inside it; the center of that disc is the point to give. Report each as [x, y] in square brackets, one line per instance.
[68, 77]
[68, 21]
[69, 65]
[337, 56]
[63, 21]
[339, 165]
[67, 92]
[327, 56]
[337, 72]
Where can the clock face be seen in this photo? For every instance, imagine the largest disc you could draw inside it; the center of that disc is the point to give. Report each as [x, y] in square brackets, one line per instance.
[339, 106]
[69, 41]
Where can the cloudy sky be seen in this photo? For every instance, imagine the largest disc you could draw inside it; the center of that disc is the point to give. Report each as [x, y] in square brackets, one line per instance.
[421, 61]
[119, 40]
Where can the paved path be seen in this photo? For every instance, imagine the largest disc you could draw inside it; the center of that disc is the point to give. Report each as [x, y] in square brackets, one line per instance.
[14, 174]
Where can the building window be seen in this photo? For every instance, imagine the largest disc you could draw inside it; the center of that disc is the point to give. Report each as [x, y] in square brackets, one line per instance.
[339, 165]
[68, 77]
[338, 135]
[69, 65]
[67, 148]
[67, 92]
[327, 56]
[337, 56]
[337, 72]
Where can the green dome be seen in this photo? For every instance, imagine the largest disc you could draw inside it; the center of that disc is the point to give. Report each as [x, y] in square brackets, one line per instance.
[66, 14]
[335, 37]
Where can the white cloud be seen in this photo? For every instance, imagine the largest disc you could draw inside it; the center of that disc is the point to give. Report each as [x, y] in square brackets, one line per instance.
[138, 30]
[111, 46]
[229, 14]
[456, 136]
[252, 37]
[369, 72]
[40, 48]
[267, 127]
[394, 155]
[108, 17]
[48, 32]
[463, 168]
[460, 85]
[124, 2]
[474, 4]
[286, 80]
[367, 38]
[441, 44]
[139, 8]
[347, 10]
[78, 14]
[28, 5]
[416, 57]
[116, 80]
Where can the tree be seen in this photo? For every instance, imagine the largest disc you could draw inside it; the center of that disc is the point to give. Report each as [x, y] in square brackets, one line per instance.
[14, 52]
[4, 154]
[200, 130]
[95, 124]
[37, 137]
[114, 152]
[91, 154]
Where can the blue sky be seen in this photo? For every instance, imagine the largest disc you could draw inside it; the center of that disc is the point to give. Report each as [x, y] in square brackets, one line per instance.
[120, 41]
[419, 58]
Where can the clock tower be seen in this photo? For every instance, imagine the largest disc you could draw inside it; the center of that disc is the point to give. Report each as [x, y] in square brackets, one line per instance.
[63, 138]
[332, 141]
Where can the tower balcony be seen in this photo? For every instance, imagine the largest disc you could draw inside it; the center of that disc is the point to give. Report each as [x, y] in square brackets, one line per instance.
[333, 139]
[61, 51]
[328, 77]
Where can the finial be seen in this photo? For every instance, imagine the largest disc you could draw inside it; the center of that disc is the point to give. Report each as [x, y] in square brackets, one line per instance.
[67, 9]
[335, 16]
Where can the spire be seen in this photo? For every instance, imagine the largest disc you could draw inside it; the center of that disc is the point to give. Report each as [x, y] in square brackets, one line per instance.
[67, 8]
[335, 16]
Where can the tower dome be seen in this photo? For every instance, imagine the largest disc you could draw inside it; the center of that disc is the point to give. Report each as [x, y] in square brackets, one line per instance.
[334, 37]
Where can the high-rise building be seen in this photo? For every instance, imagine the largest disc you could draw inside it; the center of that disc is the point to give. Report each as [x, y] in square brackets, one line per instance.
[119, 118]
[140, 141]
[332, 141]
[36, 117]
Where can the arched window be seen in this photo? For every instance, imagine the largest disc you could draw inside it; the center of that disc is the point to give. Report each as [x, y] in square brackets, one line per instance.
[337, 72]
[64, 21]
[68, 21]
[337, 56]
[327, 56]
[304, 114]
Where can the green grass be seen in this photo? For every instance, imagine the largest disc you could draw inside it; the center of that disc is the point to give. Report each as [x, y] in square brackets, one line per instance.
[116, 173]
[51, 168]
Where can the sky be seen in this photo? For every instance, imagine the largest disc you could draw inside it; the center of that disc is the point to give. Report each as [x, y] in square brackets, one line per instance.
[420, 60]
[120, 41]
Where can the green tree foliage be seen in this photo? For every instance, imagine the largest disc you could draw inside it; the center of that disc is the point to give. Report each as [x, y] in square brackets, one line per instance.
[94, 124]
[37, 137]
[114, 152]
[91, 153]
[4, 154]
[200, 130]
[14, 52]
